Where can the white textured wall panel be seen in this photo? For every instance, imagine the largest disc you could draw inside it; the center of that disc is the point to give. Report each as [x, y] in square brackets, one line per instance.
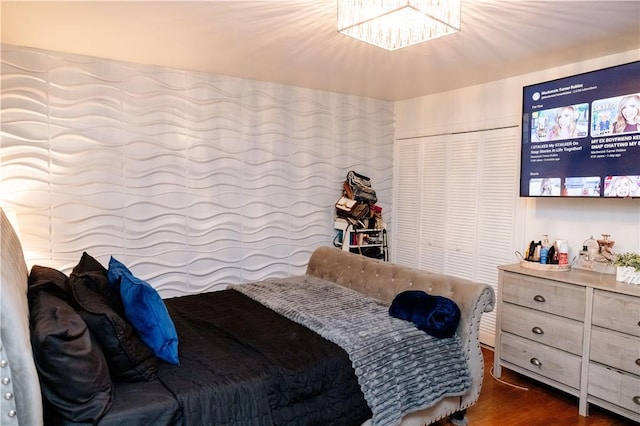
[193, 180]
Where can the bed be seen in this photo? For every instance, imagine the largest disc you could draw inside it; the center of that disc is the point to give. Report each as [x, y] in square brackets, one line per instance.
[297, 350]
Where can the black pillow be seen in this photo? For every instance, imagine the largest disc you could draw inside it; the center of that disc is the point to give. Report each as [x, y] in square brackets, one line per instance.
[129, 359]
[73, 372]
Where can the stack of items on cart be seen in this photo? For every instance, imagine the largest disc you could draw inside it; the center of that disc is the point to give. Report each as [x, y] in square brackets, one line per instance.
[359, 224]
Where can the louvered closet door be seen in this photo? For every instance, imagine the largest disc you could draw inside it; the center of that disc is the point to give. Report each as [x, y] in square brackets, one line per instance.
[461, 191]
[497, 208]
[433, 206]
[406, 203]
[455, 203]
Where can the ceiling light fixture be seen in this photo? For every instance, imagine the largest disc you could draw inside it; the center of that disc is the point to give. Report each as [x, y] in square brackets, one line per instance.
[394, 24]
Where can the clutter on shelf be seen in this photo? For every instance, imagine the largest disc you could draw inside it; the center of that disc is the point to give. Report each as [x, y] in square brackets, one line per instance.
[358, 222]
[544, 255]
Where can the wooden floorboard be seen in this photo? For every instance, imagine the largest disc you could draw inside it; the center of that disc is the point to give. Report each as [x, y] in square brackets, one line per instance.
[501, 404]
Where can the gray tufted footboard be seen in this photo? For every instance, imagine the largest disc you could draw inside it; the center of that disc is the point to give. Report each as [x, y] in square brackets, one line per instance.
[384, 280]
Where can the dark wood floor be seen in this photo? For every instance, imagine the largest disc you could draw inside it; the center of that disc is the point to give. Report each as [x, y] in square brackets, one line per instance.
[504, 405]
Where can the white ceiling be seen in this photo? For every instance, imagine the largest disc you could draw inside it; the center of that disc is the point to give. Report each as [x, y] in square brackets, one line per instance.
[295, 42]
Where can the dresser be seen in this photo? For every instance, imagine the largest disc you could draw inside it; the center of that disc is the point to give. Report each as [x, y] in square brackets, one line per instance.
[578, 331]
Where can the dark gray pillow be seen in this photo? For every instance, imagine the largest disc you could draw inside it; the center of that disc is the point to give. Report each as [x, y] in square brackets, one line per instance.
[129, 359]
[73, 372]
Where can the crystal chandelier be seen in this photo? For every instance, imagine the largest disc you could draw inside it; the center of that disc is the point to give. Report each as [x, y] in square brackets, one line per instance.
[394, 24]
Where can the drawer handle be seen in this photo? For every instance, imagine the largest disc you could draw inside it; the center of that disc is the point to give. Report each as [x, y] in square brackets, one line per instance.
[539, 331]
[539, 298]
[636, 399]
[638, 361]
[536, 362]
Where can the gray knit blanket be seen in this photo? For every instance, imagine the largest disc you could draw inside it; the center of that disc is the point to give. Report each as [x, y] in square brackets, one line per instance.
[400, 369]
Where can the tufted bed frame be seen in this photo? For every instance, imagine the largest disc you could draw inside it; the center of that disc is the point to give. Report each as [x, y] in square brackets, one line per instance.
[21, 403]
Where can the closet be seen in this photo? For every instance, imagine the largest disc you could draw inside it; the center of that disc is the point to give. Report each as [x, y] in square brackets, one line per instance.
[454, 204]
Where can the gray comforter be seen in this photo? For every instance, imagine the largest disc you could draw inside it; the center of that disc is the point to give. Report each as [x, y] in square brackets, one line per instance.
[400, 369]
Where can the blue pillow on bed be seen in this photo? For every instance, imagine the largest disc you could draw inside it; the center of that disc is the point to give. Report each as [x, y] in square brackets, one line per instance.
[436, 315]
[146, 311]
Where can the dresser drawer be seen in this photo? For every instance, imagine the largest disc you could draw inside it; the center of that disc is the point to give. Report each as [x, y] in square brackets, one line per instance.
[544, 360]
[614, 387]
[616, 312]
[616, 350]
[552, 330]
[544, 295]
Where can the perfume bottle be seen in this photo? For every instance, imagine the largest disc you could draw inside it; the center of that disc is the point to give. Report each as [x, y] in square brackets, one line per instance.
[563, 252]
[590, 249]
[544, 250]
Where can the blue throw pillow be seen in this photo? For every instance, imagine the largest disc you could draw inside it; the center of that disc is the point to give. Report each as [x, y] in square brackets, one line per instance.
[146, 311]
[435, 315]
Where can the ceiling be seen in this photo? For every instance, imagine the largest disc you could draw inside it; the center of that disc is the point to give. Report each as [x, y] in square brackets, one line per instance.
[295, 42]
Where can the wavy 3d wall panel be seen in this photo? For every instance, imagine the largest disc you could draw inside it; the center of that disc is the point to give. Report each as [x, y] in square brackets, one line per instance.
[194, 180]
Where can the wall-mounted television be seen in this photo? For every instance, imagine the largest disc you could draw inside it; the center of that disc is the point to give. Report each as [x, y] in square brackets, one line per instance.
[581, 135]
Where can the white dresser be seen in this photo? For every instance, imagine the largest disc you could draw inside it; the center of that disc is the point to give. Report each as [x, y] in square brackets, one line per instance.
[578, 331]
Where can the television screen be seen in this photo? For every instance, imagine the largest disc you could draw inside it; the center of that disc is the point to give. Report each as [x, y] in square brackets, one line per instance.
[581, 135]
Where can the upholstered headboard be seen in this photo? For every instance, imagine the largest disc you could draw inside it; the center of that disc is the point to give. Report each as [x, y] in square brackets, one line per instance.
[21, 403]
